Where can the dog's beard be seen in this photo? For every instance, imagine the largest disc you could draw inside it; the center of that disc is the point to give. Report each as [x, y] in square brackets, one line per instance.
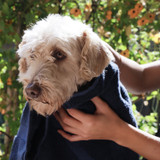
[45, 108]
[52, 97]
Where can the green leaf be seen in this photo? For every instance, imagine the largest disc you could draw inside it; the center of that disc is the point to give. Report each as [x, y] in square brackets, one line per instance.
[149, 98]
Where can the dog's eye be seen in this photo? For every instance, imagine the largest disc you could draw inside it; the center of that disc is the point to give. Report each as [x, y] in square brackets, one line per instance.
[32, 56]
[58, 55]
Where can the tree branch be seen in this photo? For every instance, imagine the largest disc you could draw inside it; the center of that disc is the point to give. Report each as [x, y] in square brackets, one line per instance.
[5, 134]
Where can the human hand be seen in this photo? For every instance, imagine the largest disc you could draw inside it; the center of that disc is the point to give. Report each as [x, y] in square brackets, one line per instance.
[103, 124]
[106, 125]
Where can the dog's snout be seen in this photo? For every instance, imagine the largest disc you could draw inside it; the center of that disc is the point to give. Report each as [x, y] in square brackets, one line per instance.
[33, 90]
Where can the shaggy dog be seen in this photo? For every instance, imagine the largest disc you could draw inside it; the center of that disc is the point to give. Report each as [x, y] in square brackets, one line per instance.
[57, 56]
[63, 63]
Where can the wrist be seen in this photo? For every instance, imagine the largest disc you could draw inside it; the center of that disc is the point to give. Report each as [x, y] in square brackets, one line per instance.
[116, 133]
[120, 135]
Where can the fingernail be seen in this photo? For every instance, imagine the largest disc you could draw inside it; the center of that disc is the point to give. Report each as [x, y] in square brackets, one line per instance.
[93, 98]
[69, 111]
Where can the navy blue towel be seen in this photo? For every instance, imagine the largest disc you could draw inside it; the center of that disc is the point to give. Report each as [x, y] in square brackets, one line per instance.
[38, 138]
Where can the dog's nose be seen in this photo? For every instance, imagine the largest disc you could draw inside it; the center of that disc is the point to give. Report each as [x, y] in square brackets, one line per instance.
[33, 90]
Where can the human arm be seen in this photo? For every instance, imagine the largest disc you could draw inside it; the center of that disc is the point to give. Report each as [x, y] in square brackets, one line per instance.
[106, 125]
[135, 77]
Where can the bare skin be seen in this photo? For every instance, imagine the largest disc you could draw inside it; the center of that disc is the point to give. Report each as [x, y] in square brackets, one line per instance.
[137, 79]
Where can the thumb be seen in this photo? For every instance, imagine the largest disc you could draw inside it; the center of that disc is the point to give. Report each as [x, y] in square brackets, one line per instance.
[101, 106]
[77, 114]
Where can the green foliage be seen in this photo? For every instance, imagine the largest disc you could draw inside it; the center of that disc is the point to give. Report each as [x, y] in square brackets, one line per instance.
[110, 19]
[146, 123]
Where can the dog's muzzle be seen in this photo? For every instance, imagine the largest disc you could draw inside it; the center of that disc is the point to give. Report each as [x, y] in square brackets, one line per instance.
[33, 90]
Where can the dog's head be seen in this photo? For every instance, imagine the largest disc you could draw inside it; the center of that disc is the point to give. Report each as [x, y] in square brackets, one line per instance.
[57, 55]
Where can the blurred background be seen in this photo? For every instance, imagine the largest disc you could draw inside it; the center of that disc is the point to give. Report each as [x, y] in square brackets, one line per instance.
[132, 27]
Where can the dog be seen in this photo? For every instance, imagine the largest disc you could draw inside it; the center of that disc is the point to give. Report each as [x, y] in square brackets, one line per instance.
[57, 56]
[63, 63]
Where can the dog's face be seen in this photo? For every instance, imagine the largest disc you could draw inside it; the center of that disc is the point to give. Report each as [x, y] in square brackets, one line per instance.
[57, 55]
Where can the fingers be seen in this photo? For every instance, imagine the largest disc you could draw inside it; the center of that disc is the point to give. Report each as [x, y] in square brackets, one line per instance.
[111, 49]
[66, 118]
[78, 115]
[85, 126]
[70, 137]
[68, 123]
[75, 122]
[97, 101]
[102, 107]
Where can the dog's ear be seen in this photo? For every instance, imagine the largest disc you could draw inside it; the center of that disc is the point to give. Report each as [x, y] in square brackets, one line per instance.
[22, 61]
[21, 44]
[95, 56]
[22, 65]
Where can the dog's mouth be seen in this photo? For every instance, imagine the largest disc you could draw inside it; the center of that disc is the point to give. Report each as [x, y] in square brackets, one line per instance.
[44, 102]
[33, 93]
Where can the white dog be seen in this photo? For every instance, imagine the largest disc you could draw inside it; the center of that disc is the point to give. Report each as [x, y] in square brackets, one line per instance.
[57, 55]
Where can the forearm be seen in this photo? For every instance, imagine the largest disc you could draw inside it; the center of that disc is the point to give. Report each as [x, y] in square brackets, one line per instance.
[141, 142]
[139, 78]
[135, 77]
[131, 75]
